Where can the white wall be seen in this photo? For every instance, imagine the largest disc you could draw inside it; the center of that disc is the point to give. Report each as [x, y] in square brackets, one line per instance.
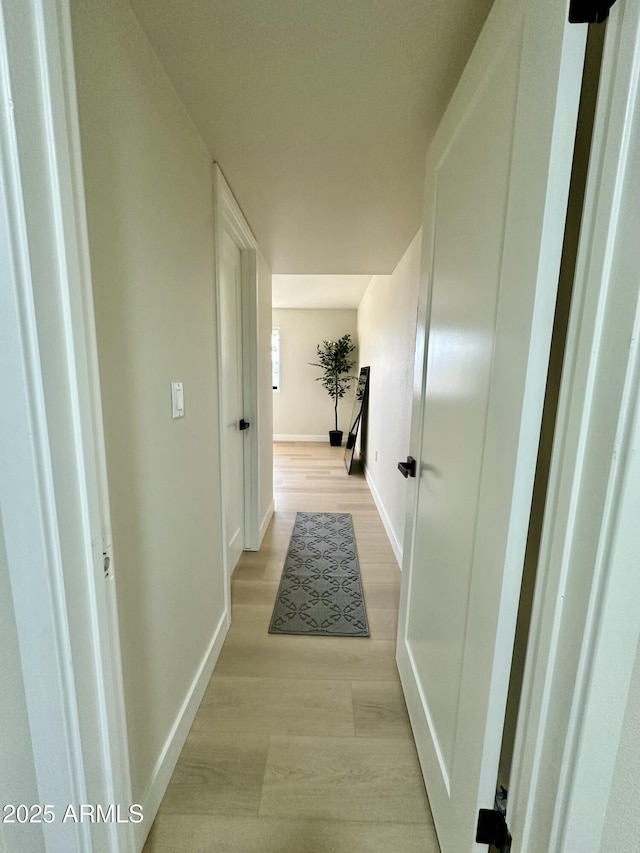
[150, 215]
[265, 394]
[622, 825]
[303, 410]
[386, 335]
[17, 772]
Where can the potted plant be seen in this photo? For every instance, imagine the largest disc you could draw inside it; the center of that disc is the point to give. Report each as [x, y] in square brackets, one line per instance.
[334, 359]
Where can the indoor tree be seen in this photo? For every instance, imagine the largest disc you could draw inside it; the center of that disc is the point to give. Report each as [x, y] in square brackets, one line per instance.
[334, 359]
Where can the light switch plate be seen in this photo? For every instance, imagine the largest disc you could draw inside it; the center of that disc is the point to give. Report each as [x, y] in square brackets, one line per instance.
[177, 399]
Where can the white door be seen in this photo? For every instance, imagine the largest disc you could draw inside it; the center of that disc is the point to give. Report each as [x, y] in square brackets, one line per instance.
[232, 396]
[496, 191]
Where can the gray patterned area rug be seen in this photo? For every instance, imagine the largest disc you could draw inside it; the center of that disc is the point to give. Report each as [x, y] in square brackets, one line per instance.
[320, 591]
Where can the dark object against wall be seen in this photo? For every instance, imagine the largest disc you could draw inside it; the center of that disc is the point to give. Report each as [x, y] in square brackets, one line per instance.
[359, 404]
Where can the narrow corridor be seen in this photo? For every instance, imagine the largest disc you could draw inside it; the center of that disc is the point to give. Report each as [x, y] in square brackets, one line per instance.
[302, 744]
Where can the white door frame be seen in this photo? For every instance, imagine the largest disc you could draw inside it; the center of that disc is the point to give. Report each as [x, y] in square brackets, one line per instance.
[229, 217]
[53, 489]
[585, 626]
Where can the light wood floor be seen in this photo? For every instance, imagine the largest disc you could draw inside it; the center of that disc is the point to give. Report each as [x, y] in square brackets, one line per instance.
[302, 744]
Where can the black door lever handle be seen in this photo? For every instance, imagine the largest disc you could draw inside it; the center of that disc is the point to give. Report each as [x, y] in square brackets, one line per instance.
[408, 468]
[244, 424]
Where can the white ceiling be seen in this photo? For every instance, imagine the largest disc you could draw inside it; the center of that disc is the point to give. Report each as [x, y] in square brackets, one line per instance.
[319, 291]
[319, 113]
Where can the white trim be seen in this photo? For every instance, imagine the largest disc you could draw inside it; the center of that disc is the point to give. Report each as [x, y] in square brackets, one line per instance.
[40, 142]
[585, 626]
[229, 217]
[250, 389]
[264, 524]
[394, 539]
[27, 498]
[322, 439]
[168, 758]
[105, 607]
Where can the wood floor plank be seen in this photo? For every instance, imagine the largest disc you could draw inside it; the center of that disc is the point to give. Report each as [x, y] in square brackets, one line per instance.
[379, 710]
[248, 654]
[302, 744]
[255, 591]
[380, 572]
[204, 834]
[288, 706]
[383, 624]
[218, 773]
[381, 596]
[343, 779]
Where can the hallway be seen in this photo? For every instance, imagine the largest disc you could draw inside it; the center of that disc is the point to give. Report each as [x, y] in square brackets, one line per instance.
[302, 744]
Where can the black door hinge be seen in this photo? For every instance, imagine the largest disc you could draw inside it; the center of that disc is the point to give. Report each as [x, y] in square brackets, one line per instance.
[589, 11]
[492, 829]
[244, 424]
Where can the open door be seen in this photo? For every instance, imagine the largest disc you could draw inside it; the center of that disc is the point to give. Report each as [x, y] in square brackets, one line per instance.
[496, 193]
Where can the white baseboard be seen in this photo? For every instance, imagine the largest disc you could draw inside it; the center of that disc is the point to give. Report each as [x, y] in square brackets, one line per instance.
[168, 758]
[265, 521]
[396, 545]
[324, 437]
[263, 529]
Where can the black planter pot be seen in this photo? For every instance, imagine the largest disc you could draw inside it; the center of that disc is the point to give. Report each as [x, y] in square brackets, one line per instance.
[335, 437]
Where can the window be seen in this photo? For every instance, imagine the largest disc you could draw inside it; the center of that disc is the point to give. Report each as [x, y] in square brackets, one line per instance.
[275, 359]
